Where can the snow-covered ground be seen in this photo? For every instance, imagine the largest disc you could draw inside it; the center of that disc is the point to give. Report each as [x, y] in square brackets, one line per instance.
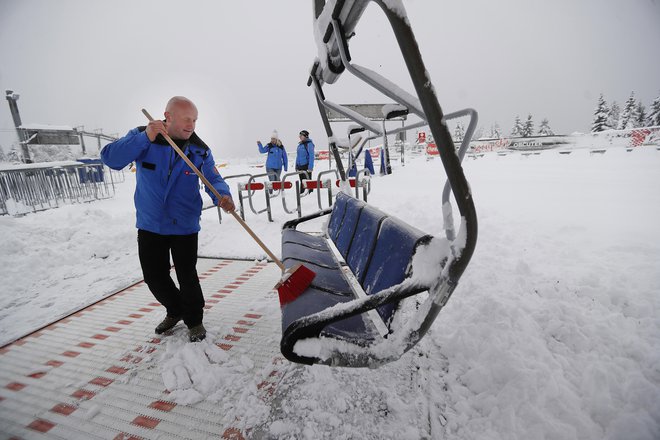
[553, 332]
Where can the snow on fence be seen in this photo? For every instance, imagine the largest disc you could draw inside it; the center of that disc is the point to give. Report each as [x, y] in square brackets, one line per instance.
[37, 187]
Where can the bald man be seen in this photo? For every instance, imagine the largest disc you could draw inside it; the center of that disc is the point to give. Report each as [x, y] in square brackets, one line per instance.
[168, 208]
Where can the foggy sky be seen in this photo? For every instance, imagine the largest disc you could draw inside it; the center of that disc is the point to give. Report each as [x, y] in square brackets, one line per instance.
[245, 64]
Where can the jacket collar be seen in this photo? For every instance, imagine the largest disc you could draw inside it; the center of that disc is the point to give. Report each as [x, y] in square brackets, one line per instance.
[194, 139]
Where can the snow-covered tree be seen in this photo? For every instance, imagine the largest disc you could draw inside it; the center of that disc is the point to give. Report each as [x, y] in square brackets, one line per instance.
[13, 155]
[478, 133]
[627, 115]
[528, 127]
[544, 128]
[654, 116]
[613, 115]
[601, 115]
[3, 157]
[640, 115]
[459, 132]
[517, 127]
[495, 131]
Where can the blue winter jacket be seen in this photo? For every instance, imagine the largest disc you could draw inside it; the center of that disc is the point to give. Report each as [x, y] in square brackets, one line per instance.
[167, 199]
[277, 158]
[305, 154]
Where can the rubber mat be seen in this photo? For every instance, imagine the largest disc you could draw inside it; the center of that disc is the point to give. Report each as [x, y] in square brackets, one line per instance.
[97, 373]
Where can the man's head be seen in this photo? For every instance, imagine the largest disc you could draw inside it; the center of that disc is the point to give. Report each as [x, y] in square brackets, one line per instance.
[304, 134]
[181, 116]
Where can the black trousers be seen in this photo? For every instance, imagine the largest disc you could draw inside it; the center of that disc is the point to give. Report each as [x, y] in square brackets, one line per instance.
[307, 175]
[187, 301]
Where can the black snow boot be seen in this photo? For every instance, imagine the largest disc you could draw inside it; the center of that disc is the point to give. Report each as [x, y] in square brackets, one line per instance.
[197, 333]
[166, 324]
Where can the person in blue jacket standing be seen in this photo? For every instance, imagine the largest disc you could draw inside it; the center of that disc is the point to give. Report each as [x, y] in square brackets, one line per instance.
[168, 208]
[305, 156]
[277, 158]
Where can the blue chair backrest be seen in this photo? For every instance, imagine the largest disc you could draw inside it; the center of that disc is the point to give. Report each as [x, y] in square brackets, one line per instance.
[364, 240]
[391, 259]
[347, 228]
[337, 215]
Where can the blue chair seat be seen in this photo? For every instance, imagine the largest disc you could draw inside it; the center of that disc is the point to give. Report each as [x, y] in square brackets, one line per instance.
[312, 241]
[306, 254]
[329, 279]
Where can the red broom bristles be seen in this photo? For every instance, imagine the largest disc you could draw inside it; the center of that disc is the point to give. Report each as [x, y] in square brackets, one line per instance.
[294, 282]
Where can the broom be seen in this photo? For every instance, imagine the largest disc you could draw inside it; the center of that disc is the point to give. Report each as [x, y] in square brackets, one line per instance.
[294, 280]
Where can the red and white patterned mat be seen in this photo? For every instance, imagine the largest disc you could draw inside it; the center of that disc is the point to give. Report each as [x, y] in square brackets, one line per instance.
[98, 373]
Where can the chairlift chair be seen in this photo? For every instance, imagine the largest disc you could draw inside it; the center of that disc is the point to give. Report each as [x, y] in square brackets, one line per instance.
[355, 313]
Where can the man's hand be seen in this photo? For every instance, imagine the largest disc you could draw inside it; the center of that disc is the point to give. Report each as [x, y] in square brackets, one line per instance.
[226, 203]
[154, 128]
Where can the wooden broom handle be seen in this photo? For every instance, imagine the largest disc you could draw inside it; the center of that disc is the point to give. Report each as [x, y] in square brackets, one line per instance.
[218, 195]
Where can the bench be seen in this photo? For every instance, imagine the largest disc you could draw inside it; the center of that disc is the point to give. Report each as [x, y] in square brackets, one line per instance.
[372, 253]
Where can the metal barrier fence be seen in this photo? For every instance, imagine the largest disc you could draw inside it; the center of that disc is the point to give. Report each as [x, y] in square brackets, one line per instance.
[35, 187]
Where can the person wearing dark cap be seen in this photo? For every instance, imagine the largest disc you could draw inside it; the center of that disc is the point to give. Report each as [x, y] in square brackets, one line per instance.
[305, 156]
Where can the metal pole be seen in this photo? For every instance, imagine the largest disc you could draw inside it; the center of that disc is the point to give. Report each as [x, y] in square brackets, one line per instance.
[386, 153]
[402, 138]
[82, 141]
[16, 116]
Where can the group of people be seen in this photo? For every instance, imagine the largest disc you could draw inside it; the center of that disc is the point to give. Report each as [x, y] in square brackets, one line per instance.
[169, 206]
[277, 157]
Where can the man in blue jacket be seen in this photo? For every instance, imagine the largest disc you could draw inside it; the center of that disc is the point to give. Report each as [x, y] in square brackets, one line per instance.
[305, 156]
[168, 208]
[277, 158]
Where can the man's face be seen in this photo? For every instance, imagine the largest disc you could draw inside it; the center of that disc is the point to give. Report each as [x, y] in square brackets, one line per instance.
[181, 120]
[302, 138]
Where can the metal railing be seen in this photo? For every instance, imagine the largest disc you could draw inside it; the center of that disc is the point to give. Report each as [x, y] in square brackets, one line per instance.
[35, 188]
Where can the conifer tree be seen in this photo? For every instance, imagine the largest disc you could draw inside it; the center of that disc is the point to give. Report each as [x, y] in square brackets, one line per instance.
[614, 114]
[517, 127]
[600, 116]
[640, 115]
[459, 132]
[627, 115]
[528, 128]
[544, 128]
[13, 155]
[495, 131]
[654, 116]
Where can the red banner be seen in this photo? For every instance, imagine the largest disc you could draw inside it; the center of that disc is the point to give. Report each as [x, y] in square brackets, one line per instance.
[637, 137]
[322, 155]
[432, 150]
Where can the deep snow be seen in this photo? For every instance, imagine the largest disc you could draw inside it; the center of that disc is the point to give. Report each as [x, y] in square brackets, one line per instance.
[552, 333]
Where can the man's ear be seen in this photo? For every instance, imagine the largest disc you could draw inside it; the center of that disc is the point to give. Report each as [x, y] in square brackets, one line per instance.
[167, 116]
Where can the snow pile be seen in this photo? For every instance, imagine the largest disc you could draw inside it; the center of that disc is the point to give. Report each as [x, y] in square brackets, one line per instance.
[202, 371]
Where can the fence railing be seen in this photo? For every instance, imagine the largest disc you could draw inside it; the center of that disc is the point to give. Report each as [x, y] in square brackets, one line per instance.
[37, 187]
